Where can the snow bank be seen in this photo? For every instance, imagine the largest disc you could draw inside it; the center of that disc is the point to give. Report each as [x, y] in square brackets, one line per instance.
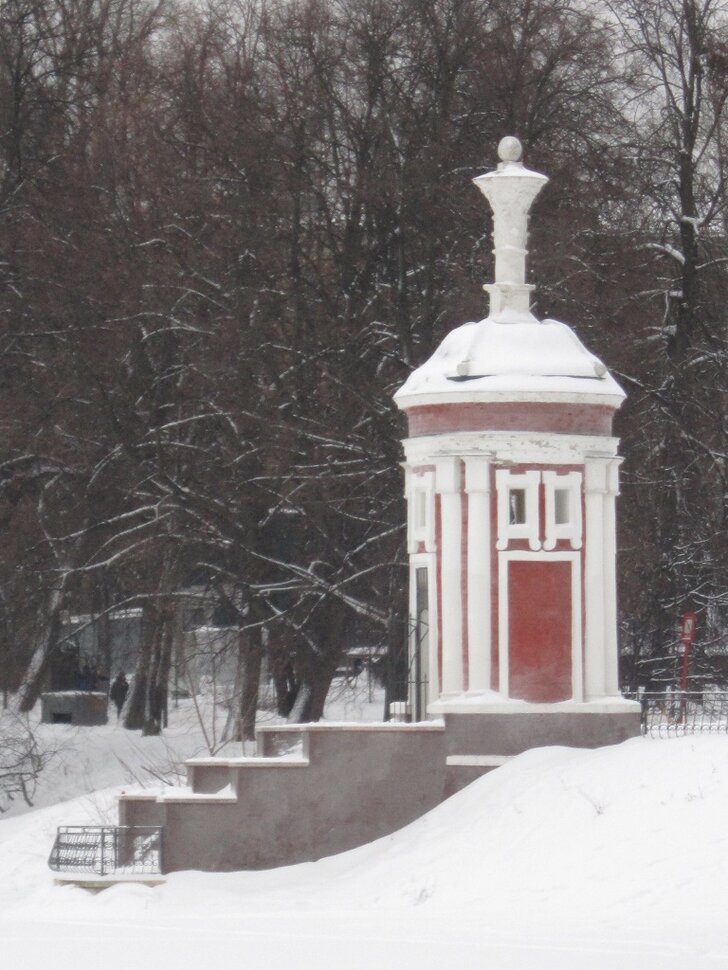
[85, 759]
[563, 858]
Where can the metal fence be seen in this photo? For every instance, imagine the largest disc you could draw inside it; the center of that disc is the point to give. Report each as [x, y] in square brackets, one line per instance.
[412, 692]
[106, 849]
[674, 713]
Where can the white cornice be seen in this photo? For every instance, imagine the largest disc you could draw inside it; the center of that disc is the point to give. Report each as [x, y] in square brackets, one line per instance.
[471, 705]
[459, 394]
[511, 447]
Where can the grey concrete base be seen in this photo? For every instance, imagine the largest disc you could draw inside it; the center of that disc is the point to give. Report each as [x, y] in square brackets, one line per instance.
[334, 788]
[146, 810]
[79, 707]
[319, 789]
[511, 734]
[458, 777]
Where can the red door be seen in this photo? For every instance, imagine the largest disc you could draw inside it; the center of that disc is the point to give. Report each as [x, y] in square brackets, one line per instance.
[539, 630]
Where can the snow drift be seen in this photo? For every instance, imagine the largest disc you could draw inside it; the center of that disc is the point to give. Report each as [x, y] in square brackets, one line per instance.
[562, 858]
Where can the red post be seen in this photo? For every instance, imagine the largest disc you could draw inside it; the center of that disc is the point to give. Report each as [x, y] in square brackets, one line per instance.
[687, 635]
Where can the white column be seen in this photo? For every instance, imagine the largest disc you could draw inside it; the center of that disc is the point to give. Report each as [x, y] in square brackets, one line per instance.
[477, 486]
[595, 485]
[410, 499]
[447, 486]
[609, 545]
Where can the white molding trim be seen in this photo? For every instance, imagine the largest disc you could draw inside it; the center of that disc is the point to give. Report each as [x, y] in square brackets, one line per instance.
[482, 396]
[510, 447]
[178, 795]
[467, 705]
[477, 760]
[313, 727]
[504, 560]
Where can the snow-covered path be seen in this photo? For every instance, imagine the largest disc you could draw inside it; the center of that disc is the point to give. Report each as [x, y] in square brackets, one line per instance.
[563, 858]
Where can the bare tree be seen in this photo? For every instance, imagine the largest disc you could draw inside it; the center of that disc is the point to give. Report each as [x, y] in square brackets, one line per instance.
[22, 759]
[677, 480]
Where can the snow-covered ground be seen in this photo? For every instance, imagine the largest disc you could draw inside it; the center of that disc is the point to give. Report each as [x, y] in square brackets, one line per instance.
[605, 860]
[83, 760]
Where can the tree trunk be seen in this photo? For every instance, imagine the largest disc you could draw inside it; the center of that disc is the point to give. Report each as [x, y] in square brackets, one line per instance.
[313, 691]
[240, 725]
[250, 647]
[135, 708]
[32, 683]
[102, 623]
[156, 699]
[301, 705]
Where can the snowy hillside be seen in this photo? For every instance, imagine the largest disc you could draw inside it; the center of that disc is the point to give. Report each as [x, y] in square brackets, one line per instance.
[562, 859]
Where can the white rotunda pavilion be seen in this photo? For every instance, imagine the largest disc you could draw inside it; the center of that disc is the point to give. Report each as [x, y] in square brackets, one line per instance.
[511, 480]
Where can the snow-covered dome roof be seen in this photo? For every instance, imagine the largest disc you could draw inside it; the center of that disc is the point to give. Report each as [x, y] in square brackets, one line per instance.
[510, 355]
[489, 359]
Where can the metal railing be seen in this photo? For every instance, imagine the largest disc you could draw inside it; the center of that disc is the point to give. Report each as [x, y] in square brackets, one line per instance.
[413, 693]
[674, 713]
[106, 849]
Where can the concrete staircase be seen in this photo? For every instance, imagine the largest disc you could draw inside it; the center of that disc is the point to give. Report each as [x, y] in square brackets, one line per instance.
[312, 791]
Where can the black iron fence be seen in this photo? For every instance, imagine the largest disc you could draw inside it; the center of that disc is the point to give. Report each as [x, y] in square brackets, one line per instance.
[672, 713]
[408, 680]
[413, 693]
[106, 849]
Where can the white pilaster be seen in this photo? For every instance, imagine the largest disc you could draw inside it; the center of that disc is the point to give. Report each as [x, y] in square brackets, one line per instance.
[447, 486]
[595, 485]
[420, 496]
[477, 486]
[611, 643]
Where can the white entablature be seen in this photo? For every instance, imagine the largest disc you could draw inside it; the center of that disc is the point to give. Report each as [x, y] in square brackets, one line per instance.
[510, 447]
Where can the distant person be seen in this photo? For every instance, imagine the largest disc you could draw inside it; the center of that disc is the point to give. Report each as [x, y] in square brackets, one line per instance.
[118, 692]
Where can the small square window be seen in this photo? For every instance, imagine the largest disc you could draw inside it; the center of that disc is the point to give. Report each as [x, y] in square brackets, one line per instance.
[563, 509]
[517, 506]
[562, 506]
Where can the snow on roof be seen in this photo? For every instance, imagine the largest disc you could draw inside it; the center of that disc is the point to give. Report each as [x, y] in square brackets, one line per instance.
[494, 358]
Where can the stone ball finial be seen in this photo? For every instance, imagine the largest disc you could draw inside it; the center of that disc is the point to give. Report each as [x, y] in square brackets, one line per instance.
[509, 149]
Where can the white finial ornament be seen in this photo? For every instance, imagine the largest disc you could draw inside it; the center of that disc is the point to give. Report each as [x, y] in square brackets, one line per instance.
[510, 149]
[511, 342]
[510, 190]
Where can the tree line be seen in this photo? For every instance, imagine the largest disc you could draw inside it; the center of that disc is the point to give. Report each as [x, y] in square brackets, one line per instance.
[229, 230]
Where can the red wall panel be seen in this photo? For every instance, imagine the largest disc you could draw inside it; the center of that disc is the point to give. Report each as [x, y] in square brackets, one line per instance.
[539, 630]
